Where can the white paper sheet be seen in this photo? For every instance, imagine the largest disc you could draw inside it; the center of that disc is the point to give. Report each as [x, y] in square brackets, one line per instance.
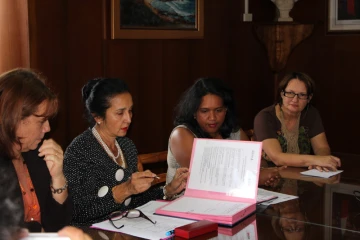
[317, 173]
[44, 236]
[229, 167]
[141, 227]
[281, 197]
[264, 195]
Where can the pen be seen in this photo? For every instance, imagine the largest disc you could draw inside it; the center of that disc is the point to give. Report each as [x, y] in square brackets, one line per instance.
[169, 233]
[157, 177]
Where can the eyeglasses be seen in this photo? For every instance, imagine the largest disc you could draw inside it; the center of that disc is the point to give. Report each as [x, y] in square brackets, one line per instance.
[133, 213]
[292, 95]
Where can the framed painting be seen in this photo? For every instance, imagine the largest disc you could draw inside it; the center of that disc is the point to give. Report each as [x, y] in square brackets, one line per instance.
[157, 19]
[343, 15]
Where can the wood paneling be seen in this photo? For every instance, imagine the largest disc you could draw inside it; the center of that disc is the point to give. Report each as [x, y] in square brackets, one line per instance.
[14, 35]
[47, 25]
[71, 48]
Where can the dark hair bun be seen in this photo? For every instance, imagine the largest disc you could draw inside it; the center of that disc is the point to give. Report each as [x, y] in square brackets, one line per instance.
[88, 87]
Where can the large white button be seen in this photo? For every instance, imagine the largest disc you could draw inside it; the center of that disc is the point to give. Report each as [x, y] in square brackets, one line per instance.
[119, 175]
[103, 191]
[127, 201]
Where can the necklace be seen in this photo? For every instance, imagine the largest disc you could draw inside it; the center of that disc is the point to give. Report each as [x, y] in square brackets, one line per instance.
[107, 150]
[291, 137]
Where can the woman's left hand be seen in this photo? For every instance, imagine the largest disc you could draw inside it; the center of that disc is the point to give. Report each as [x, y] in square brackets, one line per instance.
[54, 158]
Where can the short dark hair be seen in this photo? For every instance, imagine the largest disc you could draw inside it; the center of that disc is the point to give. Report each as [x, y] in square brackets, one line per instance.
[191, 100]
[21, 93]
[97, 93]
[306, 79]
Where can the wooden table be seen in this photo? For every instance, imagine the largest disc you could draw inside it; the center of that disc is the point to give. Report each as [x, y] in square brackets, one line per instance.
[325, 209]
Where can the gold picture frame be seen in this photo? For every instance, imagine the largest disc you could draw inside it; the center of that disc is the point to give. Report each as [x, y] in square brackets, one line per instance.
[176, 30]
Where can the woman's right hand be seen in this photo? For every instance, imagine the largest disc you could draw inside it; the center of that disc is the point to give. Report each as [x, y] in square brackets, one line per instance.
[73, 233]
[270, 176]
[140, 181]
[326, 163]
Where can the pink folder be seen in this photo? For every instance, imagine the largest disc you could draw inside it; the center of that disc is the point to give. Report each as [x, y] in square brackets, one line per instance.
[246, 228]
[223, 181]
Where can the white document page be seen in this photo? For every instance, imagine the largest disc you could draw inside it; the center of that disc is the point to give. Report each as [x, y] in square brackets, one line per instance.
[141, 227]
[317, 173]
[224, 166]
[264, 195]
[206, 206]
[44, 236]
[281, 197]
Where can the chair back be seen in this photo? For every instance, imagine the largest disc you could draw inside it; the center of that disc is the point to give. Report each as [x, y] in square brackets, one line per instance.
[250, 134]
[156, 162]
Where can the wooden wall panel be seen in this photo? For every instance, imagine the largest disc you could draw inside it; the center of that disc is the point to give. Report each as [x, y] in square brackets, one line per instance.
[84, 57]
[47, 26]
[158, 71]
[14, 35]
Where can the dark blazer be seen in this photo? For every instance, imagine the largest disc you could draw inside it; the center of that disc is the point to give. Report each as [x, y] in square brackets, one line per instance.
[54, 216]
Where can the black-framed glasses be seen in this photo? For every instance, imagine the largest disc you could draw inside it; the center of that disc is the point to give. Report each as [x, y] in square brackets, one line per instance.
[132, 213]
[292, 95]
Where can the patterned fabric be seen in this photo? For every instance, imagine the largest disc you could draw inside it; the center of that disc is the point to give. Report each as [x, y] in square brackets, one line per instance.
[92, 174]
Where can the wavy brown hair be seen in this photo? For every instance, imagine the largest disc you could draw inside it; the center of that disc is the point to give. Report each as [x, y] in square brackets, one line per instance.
[21, 93]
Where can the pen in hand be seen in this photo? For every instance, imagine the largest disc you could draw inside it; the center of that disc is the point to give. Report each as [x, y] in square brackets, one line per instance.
[157, 177]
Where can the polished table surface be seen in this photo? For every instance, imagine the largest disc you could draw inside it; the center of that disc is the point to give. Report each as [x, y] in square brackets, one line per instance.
[326, 209]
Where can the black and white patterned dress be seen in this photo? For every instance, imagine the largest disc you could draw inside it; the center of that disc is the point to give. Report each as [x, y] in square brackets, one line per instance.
[91, 175]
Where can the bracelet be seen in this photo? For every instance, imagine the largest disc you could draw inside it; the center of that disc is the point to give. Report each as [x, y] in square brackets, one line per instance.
[59, 190]
[166, 196]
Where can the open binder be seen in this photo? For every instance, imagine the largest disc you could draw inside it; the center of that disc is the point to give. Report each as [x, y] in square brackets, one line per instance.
[223, 181]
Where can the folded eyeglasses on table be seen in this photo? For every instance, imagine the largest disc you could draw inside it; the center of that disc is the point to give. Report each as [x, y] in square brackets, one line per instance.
[114, 217]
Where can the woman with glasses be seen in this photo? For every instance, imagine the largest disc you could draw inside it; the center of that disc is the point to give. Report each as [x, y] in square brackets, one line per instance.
[26, 105]
[291, 130]
[101, 163]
